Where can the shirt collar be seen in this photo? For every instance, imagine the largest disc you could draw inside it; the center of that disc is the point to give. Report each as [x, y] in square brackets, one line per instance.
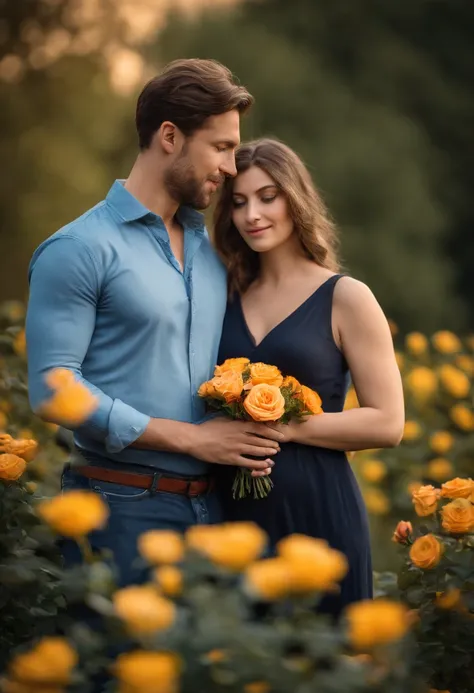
[130, 209]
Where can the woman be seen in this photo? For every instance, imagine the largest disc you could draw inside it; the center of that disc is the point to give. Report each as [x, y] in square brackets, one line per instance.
[289, 306]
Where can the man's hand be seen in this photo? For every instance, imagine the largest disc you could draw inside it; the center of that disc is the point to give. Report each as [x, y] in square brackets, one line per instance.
[222, 441]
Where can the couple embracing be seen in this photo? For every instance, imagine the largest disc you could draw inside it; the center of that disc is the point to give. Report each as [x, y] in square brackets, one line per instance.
[135, 300]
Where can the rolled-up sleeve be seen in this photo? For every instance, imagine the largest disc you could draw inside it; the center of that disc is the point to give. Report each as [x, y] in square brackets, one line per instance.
[64, 292]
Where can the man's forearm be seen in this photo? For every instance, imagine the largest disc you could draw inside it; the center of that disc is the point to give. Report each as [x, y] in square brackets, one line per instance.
[167, 435]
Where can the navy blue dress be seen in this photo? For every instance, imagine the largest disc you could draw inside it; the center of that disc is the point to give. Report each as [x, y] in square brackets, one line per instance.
[315, 491]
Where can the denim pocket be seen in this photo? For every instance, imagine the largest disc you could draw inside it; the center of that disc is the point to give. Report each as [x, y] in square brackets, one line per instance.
[117, 492]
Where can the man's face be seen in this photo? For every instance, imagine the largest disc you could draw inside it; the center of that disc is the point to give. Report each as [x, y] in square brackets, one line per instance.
[205, 159]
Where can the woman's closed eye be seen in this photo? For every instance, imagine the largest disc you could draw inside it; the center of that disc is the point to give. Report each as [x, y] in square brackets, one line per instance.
[267, 199]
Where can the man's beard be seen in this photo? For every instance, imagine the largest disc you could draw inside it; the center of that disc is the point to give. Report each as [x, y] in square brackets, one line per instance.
[183, 185]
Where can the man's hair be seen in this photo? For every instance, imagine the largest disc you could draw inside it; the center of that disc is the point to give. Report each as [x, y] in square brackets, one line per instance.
[186, 93]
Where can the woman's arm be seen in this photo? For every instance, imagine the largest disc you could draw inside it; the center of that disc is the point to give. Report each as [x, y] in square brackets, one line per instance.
[362, 331]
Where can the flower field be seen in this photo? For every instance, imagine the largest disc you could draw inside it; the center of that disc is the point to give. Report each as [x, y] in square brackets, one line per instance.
[215, 616]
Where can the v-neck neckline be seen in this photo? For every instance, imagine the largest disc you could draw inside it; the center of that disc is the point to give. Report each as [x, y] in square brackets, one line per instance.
[284, 320]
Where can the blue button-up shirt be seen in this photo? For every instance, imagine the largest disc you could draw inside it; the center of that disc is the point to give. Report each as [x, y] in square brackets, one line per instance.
[108, 300]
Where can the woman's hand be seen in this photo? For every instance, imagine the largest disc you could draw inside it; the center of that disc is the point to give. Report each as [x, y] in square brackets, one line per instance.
[289, 431]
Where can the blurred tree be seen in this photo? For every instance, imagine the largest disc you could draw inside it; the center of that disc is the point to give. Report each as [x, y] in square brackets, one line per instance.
[375, 167]
[62, 127]
[415, 59]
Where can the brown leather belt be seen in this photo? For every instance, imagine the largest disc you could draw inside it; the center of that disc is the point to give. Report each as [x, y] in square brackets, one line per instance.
[155, 482]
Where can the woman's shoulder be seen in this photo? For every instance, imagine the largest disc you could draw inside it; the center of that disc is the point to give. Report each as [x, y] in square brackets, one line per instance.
[352, 293]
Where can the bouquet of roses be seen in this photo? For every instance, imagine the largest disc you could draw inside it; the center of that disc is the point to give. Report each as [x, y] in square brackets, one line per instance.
[257, 392]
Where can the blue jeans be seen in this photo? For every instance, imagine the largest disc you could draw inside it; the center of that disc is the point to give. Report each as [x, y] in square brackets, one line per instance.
[132, 512]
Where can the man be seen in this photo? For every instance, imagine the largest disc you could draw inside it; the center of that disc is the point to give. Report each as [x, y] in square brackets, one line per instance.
[131, 297]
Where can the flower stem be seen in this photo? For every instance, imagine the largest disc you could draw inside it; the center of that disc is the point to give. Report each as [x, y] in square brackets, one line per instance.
[86, 549]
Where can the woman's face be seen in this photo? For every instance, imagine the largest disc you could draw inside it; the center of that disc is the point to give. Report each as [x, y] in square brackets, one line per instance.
[260, 211]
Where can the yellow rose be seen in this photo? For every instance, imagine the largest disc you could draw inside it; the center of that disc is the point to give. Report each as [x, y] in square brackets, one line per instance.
[265, 374]
[232, 545]
[143, 610]
[465, 363]
[161, 546]
[441, 442]
[216, 656]
[402, 532]
[207, 389]
[257, 687]
[314, 566]
[439, 469]
[416, 343]
[463, 417]
[71, 404]
[373, 623]
[265, 403]
[169, 579]
[74, 513]
[426, 552]
[376, 501]
[228, 386]
[446, 342]
[19, 344]
[292, 384]
[458, 516]
[425, 500]
[27, 449]
[237, 365]
[269, 579]
[421, 382]
[50, 661]
[412, 431]
[373, 471]
[154, 672]
[59, 377]
[311, 400]
[454, 381]
[11, 467]
[449, 599]
[457, 488]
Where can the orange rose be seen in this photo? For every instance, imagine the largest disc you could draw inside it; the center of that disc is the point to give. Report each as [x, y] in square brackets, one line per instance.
[71, 405]
[458, 516]
[152, 671]
[228, 386]
[207, 389]
[416, 343]
[426, 552]
[264, 373]
[237, 365]
[463, 417]
[402, 532]
[265, 403]
[425, 500]
[457, 488]
[454, 381]
[311, 400]
[292, 384]
[446, 342]
[11, 467]
[441, 442]
[24, 448]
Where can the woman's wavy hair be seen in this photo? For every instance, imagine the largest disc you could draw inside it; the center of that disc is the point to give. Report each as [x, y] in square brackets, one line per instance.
[315, 230]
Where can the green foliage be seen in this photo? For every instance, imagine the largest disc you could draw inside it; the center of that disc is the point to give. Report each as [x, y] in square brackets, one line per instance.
[30, 598]
[443, 599]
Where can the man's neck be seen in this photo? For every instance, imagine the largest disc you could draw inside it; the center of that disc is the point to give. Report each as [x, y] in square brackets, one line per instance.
[147, 186]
